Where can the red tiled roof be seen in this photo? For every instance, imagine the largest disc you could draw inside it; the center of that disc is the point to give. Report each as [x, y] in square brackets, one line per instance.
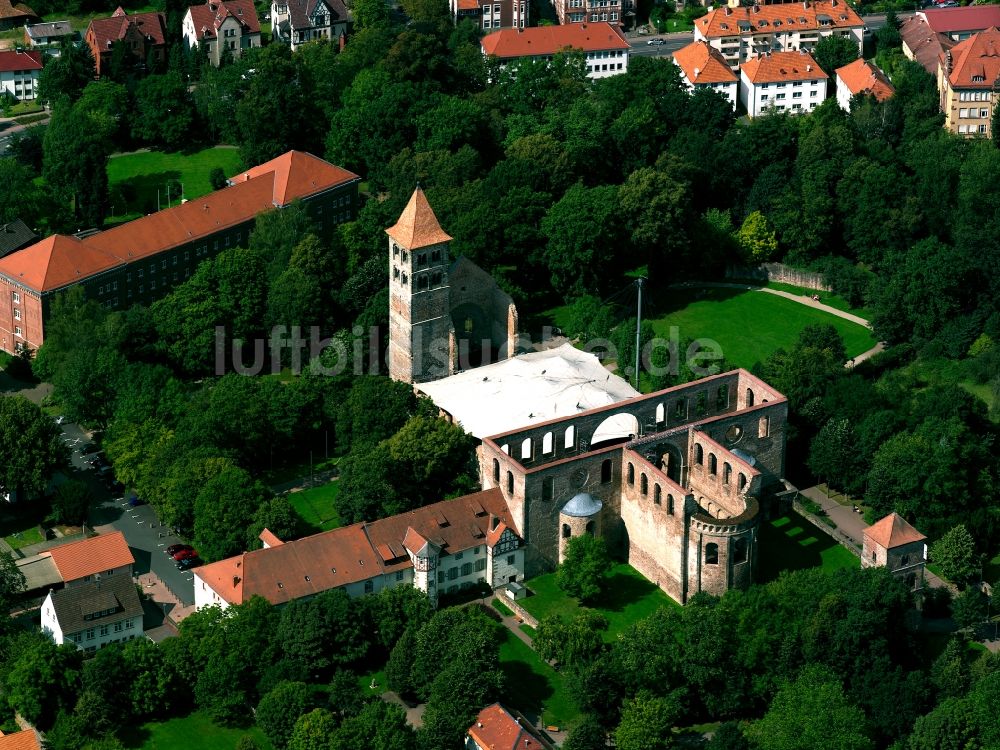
[783, 66]
[89, 556]
[924, 44]
[118, 25]
[417, 226]
[892, 531]
[268, 537]
[497, 729]
[777, 18]
[969, 18]
[702, 63]
[976, 60]
[547, 40]
[352, 554]
[26, 60]
[15, 10]
[208, 18]
[861, 75]
[59, 261]
[24, 740]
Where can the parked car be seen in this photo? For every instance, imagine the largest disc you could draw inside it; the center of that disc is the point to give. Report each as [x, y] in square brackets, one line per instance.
[135, 501]
[90, 448]
[60, 419]
[173, 549]
[656, 42]
[184, 554]
[188, 562]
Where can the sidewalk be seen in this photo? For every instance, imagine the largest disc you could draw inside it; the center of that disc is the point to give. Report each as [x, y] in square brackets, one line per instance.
[305, 483]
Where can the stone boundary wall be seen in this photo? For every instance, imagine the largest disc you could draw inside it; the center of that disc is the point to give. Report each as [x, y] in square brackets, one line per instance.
[836, 534]
[779, 272]
[519, 611]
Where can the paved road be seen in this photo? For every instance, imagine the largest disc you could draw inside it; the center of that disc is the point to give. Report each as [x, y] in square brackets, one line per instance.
[9, 128]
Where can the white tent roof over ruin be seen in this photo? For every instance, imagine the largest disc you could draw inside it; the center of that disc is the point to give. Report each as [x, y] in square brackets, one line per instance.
[526, 390]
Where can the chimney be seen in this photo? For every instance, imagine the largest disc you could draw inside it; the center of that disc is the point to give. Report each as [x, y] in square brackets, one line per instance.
[809, 68]
[805, 4]
[756, 8]
[727, 11]
[697, 72]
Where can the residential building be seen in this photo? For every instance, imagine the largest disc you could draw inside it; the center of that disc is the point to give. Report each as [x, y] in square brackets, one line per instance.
[497, 728]
[97, 558]
[492, 14]
[922, 44]
[439, 549]
[703, 67]
[14, 235]
[959, 23]
[603, 45]
[19, 72]
[220, 28]
[967, 75]
[13, 15]
[143, 34]
[142, 260]
[861, 77]
[94, 614]
[26, 739]
[783, 81]
[53, 32]
[578, 11]
[743, 33]
[894, 544]
[296, 22]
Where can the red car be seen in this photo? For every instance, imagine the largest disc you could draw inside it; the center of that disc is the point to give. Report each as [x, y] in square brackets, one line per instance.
[173, 549]
[184, 554]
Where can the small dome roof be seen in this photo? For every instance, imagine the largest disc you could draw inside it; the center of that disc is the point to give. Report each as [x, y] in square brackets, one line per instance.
[582, 506]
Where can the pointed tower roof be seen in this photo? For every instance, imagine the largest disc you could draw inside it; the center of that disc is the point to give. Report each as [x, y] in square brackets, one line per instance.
[893, 531]
[417, 226]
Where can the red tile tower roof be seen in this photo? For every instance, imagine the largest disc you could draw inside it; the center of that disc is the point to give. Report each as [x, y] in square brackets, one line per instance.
[702, 63]
[547, 40]
[777, 67]
[90, 556]
[208, 18]
[892, 531]
[417, 226]
[975, 62]
[861, 75]
[778, 18]
[20, 60]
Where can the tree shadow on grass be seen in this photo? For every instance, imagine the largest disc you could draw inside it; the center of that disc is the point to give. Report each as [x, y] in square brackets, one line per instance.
[622, 590]
[134, 736]
[139, 193]
[666, 301]
[525, 689]
[789, 543]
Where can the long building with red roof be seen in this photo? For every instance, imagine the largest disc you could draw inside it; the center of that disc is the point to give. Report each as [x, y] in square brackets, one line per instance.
[603, 45]
[142, 260]
[19, 72]
[783, 82]
[746, 32]
[967, 76]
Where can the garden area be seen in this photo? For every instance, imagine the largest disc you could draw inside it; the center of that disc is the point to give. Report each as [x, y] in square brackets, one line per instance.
[748, 325]
[317, 507]
[792, 543]
[532, 686]
[193, 732]
[628, 598]
[146, 181]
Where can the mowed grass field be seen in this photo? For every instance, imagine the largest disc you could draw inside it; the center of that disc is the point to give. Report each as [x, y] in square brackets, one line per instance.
[792, 543]
[193, 732]
[135, 179]
[748, 325]
[532, 686]
[316, 506]
[628, 599]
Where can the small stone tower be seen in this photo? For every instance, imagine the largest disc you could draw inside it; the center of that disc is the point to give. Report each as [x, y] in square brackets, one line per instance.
[421, 338]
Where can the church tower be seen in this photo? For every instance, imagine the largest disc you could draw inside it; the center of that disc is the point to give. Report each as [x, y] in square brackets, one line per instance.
[420, 329]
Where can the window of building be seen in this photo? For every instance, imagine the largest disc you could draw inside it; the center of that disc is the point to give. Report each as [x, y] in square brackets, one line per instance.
[656, 494]
[643, 484]
[496, 470]
[712, 463]
[569, 438]
[510, 559]
[699, 454]
[467, 569]
[763, 427]
[548, 488]
[606, 471]
[17, 313]
[740, 551]
[547, 444]
[526, 447]
[480, 565]
[631, 474]
[711, 553]
[15, 297]
[17, 331]
[452, 573]
[104, 630]
[510, 483]
[90, 634]
[369, 586]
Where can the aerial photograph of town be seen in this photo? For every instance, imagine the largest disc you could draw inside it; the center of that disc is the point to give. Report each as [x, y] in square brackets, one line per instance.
[499, 374]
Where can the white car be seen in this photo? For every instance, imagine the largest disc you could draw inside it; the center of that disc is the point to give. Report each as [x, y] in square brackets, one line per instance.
[656, 42]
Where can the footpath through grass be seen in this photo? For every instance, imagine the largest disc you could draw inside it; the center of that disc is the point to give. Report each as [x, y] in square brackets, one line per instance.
[748, 325]
[139, 182]
[316, 506]
[194, 732]
[792, 543]
[629, 598]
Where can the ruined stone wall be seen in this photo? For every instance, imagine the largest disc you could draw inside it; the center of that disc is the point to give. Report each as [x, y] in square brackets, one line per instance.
[717, 539]
[471, 285]
[718, 479]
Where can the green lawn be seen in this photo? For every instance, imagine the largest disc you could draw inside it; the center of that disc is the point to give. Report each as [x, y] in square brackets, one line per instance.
[316, 506]
[138, 182]
[194, 732]
[532, 686]
[365, 681]
[792, 543]
[629, 598]
[748, 325]
[19, 525]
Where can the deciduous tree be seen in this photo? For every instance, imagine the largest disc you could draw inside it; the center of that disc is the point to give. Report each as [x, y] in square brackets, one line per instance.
[955, 553]
[30, 444]
[583, 573]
